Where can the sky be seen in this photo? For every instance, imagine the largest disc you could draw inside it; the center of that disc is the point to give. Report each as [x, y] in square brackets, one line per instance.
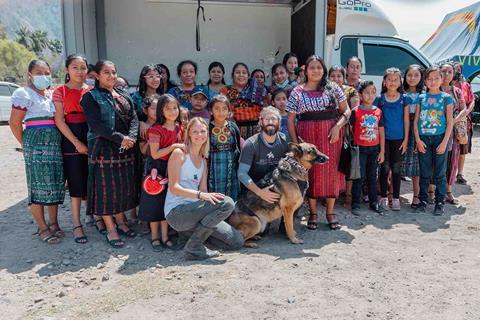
[409, 16]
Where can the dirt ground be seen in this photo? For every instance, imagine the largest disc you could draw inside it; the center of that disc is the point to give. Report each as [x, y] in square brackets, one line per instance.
[398, 266]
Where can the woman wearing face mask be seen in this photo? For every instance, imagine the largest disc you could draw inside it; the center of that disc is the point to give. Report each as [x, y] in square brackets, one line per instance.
[41, 143]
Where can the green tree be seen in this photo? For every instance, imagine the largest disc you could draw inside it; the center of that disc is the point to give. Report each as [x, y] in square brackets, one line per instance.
[14, 59]
[40, 41]
[3, 32]
[24, 37]
[56, 46]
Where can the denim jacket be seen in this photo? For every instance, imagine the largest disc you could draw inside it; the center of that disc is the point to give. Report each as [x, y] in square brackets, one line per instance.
[98, 105]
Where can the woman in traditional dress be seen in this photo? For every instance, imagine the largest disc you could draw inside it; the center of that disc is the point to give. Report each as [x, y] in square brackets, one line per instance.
[42, 150]
[112, 177]
[322, 110]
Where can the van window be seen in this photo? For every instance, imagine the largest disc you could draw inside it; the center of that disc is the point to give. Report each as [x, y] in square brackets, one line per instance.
[4, 91]
[380, 57]
[348, 49]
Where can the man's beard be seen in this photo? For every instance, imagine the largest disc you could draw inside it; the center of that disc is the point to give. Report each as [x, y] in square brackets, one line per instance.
[270, 130]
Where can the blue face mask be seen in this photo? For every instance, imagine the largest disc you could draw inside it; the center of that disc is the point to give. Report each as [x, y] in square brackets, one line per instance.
[90, 82]
[42, 82]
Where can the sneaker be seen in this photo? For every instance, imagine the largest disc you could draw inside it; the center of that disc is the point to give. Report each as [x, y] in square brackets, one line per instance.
[439, 209]
[396, 205]
[376, 207]
[421, 207]
[384, 204]
[356, 209]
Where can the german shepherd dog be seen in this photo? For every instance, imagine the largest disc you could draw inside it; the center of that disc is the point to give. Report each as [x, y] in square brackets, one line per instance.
[290, 181]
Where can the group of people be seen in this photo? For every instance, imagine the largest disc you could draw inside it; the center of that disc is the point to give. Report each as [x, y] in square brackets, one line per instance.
[179, 156]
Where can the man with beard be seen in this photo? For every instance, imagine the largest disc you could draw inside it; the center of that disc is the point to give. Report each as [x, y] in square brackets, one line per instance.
[261, 154]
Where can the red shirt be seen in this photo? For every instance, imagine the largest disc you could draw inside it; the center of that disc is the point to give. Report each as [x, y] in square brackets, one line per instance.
[366, 126]
[70, 98]
[164, 137]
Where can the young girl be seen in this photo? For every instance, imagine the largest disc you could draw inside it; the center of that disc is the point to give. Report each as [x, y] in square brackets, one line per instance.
[163, 137]
[279, 101]
[433, 126]
[148, 84]
[71, 122]
[368, 134]
[224, 150]
[184, 117]
[413, 84]
[280, 79]
[459, 112]
[290, 61]
[396, 120]
[150, 110]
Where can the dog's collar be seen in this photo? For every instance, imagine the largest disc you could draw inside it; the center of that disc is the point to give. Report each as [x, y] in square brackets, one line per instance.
[294, 163]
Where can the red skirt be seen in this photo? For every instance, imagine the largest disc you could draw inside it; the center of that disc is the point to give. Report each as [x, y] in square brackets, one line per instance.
[325, 181]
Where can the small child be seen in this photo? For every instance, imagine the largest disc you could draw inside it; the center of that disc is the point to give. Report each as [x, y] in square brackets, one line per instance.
[150, 110]
[290, 61]
[224, 150]
[163, 137]
[184, 117]
[397, 125]
[368, 135]
[199, 103]
[433, 125]
[413, 84]
[279, 101]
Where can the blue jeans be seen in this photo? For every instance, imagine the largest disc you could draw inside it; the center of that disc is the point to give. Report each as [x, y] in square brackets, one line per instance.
[431, 161]
[368, 170]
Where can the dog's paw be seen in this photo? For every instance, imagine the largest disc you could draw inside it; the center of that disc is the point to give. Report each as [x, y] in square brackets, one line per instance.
[296, 241]
[256, 238]
[249, 244]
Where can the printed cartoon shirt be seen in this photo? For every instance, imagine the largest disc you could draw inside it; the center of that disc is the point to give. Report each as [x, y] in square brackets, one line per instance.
[432, 120]
[366, 123]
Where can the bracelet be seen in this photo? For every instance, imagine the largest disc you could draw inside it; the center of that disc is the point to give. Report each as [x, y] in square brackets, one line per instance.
[198, 195]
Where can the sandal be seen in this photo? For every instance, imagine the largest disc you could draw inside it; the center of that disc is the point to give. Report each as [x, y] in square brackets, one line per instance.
[461, 179]
[128, 233]
[82, 239]
[59, 233]
[312, 221]
[49, 237]
[102, 231]
[450, 199]
[114, 243]
[333, 224]
[168, 244]
[415, 204]
[156, 244]
[390, 199]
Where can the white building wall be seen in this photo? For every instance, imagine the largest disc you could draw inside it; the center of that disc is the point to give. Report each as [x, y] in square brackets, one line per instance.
[152, 31]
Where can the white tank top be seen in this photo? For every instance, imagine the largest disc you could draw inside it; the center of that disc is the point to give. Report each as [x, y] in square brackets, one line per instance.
[190, 177]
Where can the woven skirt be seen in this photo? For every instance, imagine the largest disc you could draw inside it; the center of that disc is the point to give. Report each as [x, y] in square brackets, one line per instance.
[112, 178]
[325, 181]
[410, 163]
[248, 129]
[44, 166]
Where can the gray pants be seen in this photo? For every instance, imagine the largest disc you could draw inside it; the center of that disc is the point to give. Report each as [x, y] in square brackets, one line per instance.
[186, 217]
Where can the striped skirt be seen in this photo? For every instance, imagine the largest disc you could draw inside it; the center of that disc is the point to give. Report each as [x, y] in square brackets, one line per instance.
[44, 166]
[325, 181]
[112, 178]
[248, 129]
[452, 160]
[222, 173]
[410, 163]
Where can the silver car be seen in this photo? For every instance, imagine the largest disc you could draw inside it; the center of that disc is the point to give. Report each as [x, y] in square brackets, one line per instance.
[6, 91]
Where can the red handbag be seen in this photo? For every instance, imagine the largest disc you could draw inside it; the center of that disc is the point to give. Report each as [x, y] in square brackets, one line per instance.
[153, 184]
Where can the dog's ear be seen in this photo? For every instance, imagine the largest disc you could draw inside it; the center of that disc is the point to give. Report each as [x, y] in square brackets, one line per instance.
[295, 149]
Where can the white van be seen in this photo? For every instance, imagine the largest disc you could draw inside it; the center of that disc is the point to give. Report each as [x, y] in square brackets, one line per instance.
[6, 91]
